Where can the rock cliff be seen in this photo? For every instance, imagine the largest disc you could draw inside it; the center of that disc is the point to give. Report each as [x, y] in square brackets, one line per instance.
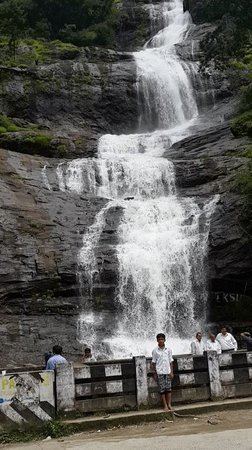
[73, 102]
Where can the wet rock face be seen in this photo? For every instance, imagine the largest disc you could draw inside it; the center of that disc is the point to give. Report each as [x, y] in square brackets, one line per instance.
[207, 165]
[195, 7]
[134, 25]
[32, 236]
[90, 96]
[41, 233]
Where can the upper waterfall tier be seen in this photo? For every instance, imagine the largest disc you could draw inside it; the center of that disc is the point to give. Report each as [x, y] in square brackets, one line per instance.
[164, 85]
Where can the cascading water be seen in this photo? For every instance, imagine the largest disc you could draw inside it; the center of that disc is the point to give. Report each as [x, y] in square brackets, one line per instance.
[162, 237]
[166, 92]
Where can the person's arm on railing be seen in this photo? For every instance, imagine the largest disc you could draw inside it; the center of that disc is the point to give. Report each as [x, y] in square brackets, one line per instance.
[234, 341]
[153, 365]
[172, 373]
[193, 348]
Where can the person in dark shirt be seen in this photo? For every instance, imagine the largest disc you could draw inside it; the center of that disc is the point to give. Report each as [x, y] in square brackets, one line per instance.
[246, 337]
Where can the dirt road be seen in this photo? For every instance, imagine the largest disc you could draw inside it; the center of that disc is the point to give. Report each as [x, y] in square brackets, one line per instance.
[229, 431]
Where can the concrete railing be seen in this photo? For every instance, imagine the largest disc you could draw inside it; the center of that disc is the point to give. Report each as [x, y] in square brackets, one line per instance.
[96, 386]
[191, 381]
[110, 385]
[236, 374]
[129, 383]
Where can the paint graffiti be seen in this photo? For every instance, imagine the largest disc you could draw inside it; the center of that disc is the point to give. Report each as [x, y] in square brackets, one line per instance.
[27, 397]
[8, 388]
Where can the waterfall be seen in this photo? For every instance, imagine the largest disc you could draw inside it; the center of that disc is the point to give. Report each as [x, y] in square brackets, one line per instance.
[162, 237]
[166, 93]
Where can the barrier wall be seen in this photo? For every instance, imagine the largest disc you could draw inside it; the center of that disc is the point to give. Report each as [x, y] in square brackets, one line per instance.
[98, 386]
[27, 397]
[190, 384]
[122, 384]
[105, 386]
[129, 383]
[236, 374]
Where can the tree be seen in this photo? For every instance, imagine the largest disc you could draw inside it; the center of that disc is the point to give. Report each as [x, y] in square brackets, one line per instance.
[13, 15]
[76, 14]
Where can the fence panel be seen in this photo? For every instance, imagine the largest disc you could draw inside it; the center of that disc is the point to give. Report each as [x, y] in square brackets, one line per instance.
[190, 383]
[105, 386]
[236, 374]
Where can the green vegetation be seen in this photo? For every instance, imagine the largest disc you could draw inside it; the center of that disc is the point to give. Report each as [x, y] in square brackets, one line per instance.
[34, 143]
[6, 124]
[247, 153]
[244, 181]
[230, 46]
[55, 429]
[13, 21]
[232, 34]
[242, 124]
[33, 51]
[244, 186]
[77, 22]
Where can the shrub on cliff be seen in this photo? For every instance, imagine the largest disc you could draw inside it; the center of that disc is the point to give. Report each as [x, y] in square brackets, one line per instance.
[244, 186]
[242, 125]
[234, 20]
[213, 10]
[6, 124]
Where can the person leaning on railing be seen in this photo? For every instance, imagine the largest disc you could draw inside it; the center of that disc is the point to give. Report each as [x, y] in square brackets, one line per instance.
[246, 337]
[226, 340]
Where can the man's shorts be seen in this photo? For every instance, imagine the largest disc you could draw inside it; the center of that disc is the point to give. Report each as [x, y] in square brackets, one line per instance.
[164, 383]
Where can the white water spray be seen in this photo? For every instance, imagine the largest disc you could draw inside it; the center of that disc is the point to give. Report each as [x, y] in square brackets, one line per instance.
[162, 237]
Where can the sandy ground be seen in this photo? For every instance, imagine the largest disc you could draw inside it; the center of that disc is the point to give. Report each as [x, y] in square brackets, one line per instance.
[226, 430]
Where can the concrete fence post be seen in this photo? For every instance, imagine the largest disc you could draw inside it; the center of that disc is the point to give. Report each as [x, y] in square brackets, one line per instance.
[65, 387]
[216, 391]
[141, 381]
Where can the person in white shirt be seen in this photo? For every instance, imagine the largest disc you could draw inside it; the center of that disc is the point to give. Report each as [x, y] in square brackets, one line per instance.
[88, 357]
[197, 346]
[226, 340]
[212, 344]
[162, 365]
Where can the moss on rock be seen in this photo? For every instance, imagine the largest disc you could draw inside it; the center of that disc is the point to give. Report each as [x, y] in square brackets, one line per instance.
[32, 52]
[35, 143]
[6, 124]
[242, 124]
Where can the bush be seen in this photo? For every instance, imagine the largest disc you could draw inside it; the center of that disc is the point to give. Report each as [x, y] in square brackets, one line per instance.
[39, 140]
[244, 185]
[63, 50]
[246, 98]
[3, 130]
[242, 125]
[30, 143]
[233, 32]
[104, 34]
[7, 124]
